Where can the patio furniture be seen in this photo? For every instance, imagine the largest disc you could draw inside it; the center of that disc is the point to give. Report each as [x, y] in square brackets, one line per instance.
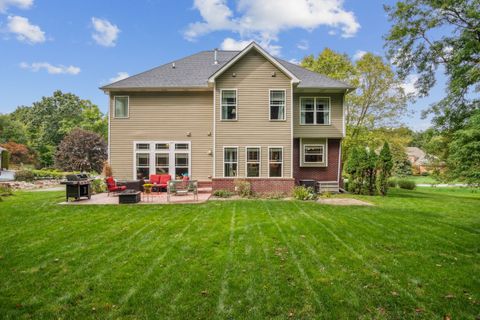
[160, 181]
[129, 196]
[112, 186]
[182, 188]
[136, 185]
[77, 186]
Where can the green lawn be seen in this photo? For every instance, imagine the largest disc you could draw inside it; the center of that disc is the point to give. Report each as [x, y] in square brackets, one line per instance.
[414, 255]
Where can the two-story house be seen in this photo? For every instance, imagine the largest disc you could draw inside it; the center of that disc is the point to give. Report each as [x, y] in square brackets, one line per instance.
[222, 115]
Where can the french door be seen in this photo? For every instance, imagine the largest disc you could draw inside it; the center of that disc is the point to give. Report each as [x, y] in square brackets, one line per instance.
[162, 157]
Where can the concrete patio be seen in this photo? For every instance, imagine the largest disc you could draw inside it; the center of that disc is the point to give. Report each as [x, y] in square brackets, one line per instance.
[154, 198]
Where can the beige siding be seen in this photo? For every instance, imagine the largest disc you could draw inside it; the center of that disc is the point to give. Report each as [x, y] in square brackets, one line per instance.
[167, 117]
[334, 130]
[253, 128]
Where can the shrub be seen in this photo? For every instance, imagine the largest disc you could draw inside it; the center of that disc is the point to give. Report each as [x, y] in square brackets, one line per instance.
[221, 193]
[98, 186]
[5, 190]
[392, 183]
[5, 159]
[304, 193]
[244, 188]
[384, 166]
[49, 174]
[406, 184]
[107, 169]
[24, 175]
[19, 153]
[81, 150]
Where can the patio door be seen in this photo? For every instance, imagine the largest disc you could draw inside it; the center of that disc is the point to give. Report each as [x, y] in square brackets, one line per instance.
[162, 157]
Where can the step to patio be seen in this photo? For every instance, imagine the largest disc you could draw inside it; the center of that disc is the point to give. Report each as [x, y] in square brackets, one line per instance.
[205, 190]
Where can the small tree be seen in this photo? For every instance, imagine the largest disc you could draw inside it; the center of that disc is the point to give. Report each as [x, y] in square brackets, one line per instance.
[81, 150]
[352, 170]
[5, 159]
[19, 153]
[384, 167]
[371, 172]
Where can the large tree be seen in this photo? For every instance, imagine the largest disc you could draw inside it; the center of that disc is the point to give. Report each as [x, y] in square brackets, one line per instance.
[81, 150]
[49, 120]
[428, 34]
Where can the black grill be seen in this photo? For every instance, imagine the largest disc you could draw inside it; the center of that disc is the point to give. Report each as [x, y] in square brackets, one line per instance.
[78, 186]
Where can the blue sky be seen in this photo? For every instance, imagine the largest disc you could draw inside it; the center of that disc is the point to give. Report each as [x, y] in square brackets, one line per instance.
[77, 46]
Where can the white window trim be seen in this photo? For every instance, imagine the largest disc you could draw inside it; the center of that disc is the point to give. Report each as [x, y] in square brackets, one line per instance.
[223, 162]
[171, 160]
[221, 104]
[115, 109]
[259, 161]
[314, 145]
[282, 162]
[311, 164]
[270, 105]
[315, 111]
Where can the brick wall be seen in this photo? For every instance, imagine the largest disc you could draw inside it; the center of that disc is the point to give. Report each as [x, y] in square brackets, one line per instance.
[329, 173]
[283, 185]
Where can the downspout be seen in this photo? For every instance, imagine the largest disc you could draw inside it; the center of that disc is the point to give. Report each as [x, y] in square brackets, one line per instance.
[214, 129]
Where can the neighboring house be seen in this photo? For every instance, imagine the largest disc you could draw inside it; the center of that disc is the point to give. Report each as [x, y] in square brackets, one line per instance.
[420, 161]
[221, 115]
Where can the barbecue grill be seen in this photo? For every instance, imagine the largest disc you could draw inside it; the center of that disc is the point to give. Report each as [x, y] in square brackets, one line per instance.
[77, 186]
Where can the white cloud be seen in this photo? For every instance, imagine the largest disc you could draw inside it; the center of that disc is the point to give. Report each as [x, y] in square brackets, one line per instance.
[106, 33]
[359, 54]
[21, 27]
[332, 32]
[263, 20]
[60, 69]
[409, 84]
[22, 4]
[119, 76]
[294, 61]
[232, 44]
[303, 45]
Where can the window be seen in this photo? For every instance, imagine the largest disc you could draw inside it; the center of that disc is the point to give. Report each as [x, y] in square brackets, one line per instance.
[143, 165]
[181, 164]
[162, 157]
[275, 163]
[121, 107]
[230, 162]
[229, 104]
[162, 163]
[314, 111]
[143, 146]
[253, 162]
[181, 146]
[277, 105]
[162, 146]
[313, 153]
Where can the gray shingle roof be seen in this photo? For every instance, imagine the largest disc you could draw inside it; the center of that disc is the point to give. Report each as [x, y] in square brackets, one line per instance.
[193, 72]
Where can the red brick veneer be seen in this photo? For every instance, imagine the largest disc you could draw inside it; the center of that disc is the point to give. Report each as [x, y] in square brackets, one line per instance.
[283, 185]
[329, 173]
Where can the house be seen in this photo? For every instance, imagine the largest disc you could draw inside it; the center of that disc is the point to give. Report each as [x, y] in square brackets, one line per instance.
[221, 115]
[420, 161]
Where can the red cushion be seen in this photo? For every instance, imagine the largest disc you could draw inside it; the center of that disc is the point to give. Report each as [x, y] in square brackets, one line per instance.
[154, 178]
[186, 178]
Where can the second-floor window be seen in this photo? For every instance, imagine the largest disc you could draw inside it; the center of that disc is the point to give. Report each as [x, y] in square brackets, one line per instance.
[277, 104]
[121, 107]
[314, 110]
[229, 104]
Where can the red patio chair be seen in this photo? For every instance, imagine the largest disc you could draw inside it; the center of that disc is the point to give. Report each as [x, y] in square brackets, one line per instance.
[112, 186]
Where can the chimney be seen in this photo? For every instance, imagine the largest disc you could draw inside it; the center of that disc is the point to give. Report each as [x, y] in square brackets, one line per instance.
[215, 54]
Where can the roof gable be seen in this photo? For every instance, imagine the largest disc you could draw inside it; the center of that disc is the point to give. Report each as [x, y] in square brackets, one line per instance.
[265, 54]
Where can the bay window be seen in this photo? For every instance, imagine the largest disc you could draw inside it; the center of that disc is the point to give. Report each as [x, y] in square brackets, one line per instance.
[314, 110]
